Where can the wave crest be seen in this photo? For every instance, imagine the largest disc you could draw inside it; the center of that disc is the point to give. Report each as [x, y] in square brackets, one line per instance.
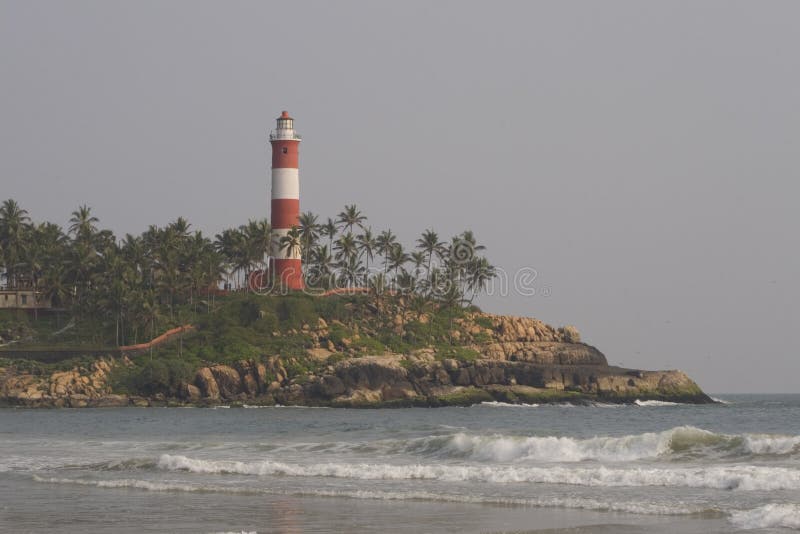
[722, 477]
[768, 516]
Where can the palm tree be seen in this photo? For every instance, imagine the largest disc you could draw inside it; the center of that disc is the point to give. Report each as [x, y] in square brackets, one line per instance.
[397, 258]
[480, 273]
[328, 229]
[350, 217]
[82, 223]
[232, 245]
[384, 243]
[291, 242]
[322, 267]
[55, 288]
[366, 243]
[429, 244]
[180, 227]
[309, 232]
[14, 226]
[345, 246]
[350, 271]
[47, 245]
[258, 240]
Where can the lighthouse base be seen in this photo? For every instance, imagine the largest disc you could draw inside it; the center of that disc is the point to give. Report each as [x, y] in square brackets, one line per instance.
[288, 274]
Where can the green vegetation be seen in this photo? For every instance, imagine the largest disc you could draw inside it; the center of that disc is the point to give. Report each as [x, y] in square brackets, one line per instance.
[111, 292]
[108, 292]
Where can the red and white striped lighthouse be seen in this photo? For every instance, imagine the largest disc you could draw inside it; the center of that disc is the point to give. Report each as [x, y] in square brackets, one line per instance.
[287, 269]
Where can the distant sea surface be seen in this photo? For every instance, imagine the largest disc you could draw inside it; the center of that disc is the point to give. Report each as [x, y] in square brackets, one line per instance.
[652, 467]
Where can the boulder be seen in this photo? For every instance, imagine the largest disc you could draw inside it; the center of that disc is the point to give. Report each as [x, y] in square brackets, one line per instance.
[205, 381]
[228, 380]
[78, 401]
[331, 386]
[192, 392]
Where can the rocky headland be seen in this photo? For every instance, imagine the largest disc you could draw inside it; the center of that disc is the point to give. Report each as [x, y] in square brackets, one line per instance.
[490, 358]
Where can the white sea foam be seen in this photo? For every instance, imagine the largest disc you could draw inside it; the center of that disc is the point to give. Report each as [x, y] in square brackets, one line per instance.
[771, 444]
[648, 508]
[721, 401]
[740, 477]
[498, 404]
[768, 516]
[648, 445]
[638, 402]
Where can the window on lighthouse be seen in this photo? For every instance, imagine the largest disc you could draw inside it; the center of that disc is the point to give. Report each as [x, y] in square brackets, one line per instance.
[285, 150]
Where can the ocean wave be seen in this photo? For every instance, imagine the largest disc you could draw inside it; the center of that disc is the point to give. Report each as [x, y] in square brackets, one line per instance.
[768, 444]
[638, 402]
[733, 477]
[646, 508]
[684, 440]
[498, 404]
[768, 516]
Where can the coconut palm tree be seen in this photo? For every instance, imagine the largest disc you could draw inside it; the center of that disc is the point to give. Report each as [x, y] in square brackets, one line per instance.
[258, 241]
[384, 243]
[481, 272]
[292, 242]
[397, 258]
[351, 217]
[320, 268]
[309, 233]
[350, 271]
[14, 227]
[82, 224]
[418, 259]
[346, 247]
[366, 243]
[429, 244]
[328, 229]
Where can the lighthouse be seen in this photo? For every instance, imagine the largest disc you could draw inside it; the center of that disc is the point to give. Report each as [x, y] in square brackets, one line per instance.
[287, 270]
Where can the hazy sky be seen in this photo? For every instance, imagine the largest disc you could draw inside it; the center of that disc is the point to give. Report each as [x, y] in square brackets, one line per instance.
[642, 157]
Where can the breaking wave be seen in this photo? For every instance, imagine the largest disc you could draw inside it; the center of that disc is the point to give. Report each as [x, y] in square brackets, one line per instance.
[498, 404]
[684, 440]
[734, 477]
[638, 402]
[768, 516]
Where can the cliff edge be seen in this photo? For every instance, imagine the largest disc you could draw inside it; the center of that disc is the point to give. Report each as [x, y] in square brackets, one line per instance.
[487, 358]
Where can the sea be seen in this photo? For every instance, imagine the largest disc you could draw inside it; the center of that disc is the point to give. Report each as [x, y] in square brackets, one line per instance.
[649, 467]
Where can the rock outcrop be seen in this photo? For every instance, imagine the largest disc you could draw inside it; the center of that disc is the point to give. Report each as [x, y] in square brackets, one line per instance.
[76, 388]
[512, 359]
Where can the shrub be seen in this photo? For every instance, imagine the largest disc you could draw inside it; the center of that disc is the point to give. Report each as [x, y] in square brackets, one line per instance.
[395, 343]
[335, 358]
[294, 311]
[484, 322]
[249, 312]
[481, 337]
[369, 345]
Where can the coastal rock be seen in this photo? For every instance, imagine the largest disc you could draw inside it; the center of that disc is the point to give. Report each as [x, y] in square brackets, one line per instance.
[543, 352]
[78, 401]
[192, 392]
[228, 380]
[109, 401]
[207, 383]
